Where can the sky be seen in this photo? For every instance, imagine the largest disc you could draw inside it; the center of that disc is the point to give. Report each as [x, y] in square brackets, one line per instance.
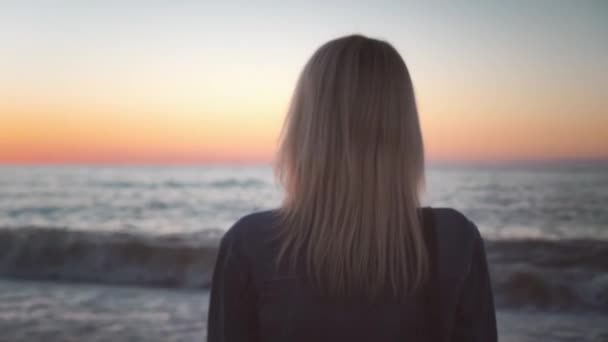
[201, 81]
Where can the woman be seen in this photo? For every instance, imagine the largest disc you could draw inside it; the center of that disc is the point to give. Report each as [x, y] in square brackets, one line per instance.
[350, 255]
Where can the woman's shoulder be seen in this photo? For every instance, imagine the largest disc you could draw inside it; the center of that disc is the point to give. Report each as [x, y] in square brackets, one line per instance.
[254, 221]
[250, 228]
[452, 221]
[457, 235]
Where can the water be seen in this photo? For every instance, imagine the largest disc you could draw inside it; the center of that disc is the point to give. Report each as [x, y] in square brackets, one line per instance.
[516, 201]
[153, 200]
[68, 312]
[149, 234]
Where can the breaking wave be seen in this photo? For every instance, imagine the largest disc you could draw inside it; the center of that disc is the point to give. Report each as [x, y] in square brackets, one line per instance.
[544, 274]
[181, 261]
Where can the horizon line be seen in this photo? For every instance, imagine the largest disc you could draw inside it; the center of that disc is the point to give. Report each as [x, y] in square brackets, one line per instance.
[429, 162]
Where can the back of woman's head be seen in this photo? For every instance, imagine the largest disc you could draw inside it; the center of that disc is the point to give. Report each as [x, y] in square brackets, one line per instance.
[352, 164]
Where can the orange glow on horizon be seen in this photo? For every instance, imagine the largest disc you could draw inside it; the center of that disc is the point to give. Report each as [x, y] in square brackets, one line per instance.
[32, 135]
[59, 136]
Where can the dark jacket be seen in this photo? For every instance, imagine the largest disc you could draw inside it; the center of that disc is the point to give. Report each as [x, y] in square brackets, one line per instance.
[252, 300]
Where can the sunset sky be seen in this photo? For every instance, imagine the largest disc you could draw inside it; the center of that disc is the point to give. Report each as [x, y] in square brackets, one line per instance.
[196, 81]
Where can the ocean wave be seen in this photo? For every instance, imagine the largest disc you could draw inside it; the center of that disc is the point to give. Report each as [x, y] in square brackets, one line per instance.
[223, 183]
[538, 274]
[243, 183]
[550, 274]
[180, 261]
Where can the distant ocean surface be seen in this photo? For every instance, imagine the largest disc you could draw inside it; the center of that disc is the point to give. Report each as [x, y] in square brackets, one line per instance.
[514, 201]
[155, 230]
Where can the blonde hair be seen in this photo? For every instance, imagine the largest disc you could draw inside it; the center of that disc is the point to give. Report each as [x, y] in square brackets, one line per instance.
[351, 161]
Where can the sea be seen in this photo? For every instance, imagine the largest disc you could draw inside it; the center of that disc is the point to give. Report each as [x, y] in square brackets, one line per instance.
[125, 253]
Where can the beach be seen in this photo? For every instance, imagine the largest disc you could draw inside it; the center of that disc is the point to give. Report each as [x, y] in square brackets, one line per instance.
[127, 253]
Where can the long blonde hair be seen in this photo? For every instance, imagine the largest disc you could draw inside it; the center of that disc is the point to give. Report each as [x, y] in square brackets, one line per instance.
[351, 161]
